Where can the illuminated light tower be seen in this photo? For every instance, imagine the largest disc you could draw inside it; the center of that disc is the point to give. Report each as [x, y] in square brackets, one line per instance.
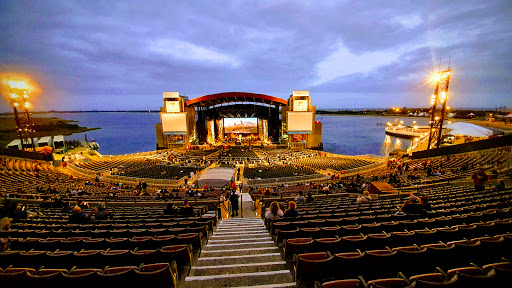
[438, 101]
[19, 98]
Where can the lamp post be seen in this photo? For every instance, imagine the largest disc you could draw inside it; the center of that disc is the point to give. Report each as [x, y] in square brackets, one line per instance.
[19, 97]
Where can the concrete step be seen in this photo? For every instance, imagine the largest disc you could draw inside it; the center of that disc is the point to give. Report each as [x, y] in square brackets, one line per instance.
[239, 252]
[246, 229]
[237, 260]
[244, 240]
[245, 225]
[235, 232]
[241, 279]
[234, 246]
[239, 236]
[242, 220]
[237, 268]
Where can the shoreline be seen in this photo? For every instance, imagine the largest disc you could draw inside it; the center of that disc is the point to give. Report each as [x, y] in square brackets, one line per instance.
[44, 126]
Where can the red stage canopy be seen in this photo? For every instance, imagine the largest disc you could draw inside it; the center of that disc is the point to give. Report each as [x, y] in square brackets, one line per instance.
[227, 97]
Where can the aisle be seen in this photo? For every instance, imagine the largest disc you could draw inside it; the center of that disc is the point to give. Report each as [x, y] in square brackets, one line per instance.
[240, 253]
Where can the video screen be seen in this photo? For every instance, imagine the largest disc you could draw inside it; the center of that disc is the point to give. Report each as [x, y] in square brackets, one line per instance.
[240, 125]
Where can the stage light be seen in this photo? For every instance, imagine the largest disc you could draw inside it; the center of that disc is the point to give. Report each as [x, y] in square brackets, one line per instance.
[14, 96]
[15, 104]
[17, 84]
[437, 77]
[27, 105]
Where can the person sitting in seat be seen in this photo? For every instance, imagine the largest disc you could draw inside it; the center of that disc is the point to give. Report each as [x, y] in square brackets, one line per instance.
[365, 198]
[412, 206]
[187, 210]
[274, 212]
[79, 217]
[310, 198]
[300, 198]
[291, 211]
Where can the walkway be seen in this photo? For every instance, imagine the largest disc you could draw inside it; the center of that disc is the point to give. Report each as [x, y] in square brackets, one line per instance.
[240, 253]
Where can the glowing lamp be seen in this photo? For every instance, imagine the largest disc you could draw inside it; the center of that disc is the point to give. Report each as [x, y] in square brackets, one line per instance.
[14, 96]
[27, 105]
[16, 84]
[15, 104]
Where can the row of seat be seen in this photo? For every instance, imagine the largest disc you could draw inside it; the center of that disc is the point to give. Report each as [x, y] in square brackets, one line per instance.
[497, 274]
[182, 254]
[374, 264]
[150, 275]
[79, 243]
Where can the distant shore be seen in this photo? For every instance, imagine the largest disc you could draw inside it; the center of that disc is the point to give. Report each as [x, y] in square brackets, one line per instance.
[44, 126]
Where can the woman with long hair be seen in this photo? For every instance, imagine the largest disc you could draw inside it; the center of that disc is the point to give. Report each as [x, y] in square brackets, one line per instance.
[291, 211]
[274, 212]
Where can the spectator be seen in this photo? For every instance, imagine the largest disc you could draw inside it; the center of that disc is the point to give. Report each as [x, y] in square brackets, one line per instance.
[5, 223]
[310, 198]
[234, 204]
[103, 213]
[425, 203]
[300, 198]
[187, 210]
[79, 217]
[274, 212]
[291, 211]
[479, 178]
[365, 198]
[412, 206]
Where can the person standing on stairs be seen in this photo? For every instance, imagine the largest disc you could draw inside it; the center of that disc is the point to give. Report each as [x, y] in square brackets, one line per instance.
[234, 204]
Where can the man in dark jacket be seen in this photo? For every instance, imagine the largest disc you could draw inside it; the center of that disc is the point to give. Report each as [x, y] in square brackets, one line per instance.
[234, 204]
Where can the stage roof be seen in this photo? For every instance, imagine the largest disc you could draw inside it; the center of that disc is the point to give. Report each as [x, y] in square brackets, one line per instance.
[228, 97]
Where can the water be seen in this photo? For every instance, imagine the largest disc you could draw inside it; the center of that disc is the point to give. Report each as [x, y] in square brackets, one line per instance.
[131, 132]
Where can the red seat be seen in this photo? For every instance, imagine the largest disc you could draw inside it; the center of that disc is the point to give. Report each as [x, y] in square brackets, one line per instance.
[312, 266]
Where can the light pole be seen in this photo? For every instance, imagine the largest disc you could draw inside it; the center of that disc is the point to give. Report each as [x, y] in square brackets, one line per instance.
[19, 97]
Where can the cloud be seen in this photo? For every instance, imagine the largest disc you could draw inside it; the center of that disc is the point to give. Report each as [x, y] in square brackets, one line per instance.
[342, 62]
[183, 50]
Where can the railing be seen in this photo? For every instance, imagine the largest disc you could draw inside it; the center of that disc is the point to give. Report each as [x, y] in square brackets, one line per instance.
[273, 181]
[131, 180]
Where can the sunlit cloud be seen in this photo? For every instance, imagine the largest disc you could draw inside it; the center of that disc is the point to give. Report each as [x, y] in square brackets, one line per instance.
[187, 51]
[343, 62]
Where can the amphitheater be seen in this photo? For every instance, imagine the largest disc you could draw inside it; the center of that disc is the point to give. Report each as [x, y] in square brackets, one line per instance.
[464, 240]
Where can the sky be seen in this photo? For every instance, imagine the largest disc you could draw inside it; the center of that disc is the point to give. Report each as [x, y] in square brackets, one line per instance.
[121, 55]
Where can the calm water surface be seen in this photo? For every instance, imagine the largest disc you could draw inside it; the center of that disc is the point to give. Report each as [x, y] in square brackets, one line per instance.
[130, 132]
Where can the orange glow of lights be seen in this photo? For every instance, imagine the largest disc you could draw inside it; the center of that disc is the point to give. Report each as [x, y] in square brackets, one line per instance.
[27, 105]
[17, 84]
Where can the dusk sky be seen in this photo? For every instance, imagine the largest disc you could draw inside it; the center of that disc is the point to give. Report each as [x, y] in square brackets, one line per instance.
[121, 55]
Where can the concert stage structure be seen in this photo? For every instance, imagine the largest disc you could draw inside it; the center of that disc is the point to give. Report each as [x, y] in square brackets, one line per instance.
[238, 118]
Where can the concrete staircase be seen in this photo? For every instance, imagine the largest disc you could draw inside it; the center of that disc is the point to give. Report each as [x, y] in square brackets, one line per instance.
[240, 253]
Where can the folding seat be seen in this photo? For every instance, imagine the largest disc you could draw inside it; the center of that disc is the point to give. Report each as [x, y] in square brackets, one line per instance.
[176, 231]
[429, 223]
[190, 238]
[346, 283]
[15, 277]
[182, 254]
[59, 259]
[95, 243]
[503, 272]
[378, 241]
[413, 254]
[330, 231]
[71, 244]
[50, 244]
[26, 243]
[447, 234]
[474, 277]
[144, 256]
[390, 283]
[46, 278]
[333, 244]
[123, 276]
[297, 246]
[309, 233]
[157, 275]
[142, 242]
[282, 235]
[432, 280]
[164, 240]
[312, 266]
[403, 238]
[100, 233]
[389, 226]
[32, 259]
[348, 265]
[352, 243]
[502, 226]
[440, 254]
[381, 263]
[137, 233]
[426, 236]
[351, 230]
[9, 257]
[118, 243]
[88, 259]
